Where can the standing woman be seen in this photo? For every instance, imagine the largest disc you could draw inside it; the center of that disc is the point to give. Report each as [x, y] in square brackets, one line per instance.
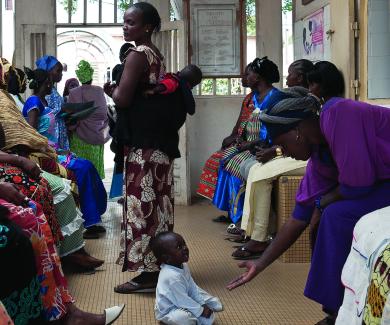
[150, 151]
[54, 99]
[91, 133]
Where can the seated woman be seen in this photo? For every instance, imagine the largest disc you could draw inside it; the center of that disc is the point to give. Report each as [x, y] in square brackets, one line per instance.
[56, 300]
[346, 178]
[260, 172]
[209, 176]
[93, 197]
[17, 84]
[262, 74]
[19, 278]
[17, 136]
[89, 135]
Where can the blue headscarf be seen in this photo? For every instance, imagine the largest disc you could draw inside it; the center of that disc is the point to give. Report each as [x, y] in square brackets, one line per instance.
[46, 62]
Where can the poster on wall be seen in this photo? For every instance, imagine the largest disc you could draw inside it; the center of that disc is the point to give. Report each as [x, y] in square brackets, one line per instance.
[215, 37]
[313, 36]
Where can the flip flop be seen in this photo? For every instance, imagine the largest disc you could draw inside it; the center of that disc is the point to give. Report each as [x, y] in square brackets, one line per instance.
[250, 255]
[138, 288]
[113, 313]
[239, 240]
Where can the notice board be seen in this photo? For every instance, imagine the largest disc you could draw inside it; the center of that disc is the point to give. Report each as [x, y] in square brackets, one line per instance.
[215, 36]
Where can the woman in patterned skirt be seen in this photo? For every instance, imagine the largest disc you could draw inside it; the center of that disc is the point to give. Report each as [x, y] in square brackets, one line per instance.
[152, 145]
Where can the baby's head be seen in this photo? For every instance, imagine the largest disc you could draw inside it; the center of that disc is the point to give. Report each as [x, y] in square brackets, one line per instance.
[170, 248]
[192, 74]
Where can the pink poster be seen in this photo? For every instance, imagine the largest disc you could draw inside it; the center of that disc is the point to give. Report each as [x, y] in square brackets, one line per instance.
[313, 36]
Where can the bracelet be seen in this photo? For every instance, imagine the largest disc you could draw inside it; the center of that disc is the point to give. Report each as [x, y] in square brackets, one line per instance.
[317, 203]
[279, 152]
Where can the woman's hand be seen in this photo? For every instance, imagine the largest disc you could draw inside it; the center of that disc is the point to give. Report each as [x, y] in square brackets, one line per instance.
[265, 155]
[10, 193]
[252, 270]
[29, 167]
[244, 145]
[228, 141]
[109, 88]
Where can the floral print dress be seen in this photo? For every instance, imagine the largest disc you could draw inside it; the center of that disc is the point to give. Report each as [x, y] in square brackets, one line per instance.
[148, 208]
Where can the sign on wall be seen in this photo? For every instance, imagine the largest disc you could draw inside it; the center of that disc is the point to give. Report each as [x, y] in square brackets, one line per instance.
[313, 36]
[215, 36]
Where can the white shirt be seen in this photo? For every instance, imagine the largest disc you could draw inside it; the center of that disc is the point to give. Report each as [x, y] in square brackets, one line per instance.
[176, 289]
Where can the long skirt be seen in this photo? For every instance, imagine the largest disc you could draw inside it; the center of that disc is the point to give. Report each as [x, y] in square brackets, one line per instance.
[333, 245]
[53, 285]
[19, 290]
[149, 207]
[68, 215]
[92, 194]
[91, 152]
[229, 195]
[209, 177]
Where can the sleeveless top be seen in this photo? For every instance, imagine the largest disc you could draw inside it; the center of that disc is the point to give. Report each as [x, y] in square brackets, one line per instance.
[154, 122]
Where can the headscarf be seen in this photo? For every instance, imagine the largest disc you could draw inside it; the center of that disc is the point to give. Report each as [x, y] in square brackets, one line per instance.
[84, 71]
[288, 113]
[46, 62]
[5, 67]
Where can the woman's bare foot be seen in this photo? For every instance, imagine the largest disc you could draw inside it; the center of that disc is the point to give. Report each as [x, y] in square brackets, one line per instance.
[252, 249]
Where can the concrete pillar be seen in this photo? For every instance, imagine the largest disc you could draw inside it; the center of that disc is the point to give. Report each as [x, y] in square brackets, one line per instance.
[269, 39]
[34, 17]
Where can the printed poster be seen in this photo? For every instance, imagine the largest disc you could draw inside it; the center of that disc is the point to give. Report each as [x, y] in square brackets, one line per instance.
[313, 36]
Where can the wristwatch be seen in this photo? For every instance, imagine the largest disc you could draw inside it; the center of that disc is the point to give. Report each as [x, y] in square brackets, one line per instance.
[278, 151]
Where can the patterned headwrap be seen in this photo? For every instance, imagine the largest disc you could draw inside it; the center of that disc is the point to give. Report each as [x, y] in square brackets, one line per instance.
[286, 115]
[46, 62]
[5, 66]
[84, 71]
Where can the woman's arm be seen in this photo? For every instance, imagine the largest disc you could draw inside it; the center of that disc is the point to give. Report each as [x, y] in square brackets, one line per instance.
[287, 236]
[33, 118]
[135, 66]
[28, 166]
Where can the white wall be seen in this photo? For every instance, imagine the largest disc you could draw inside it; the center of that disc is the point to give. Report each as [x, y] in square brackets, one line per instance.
[214, 119]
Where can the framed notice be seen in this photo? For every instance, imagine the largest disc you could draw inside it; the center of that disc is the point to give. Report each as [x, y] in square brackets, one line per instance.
[215, 42]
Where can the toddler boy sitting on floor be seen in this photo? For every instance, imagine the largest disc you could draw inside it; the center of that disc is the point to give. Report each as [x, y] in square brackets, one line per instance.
[179, 301]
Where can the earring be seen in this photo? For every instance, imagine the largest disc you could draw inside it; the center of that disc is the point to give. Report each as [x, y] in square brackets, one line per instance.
[147, 30]
[297, 137]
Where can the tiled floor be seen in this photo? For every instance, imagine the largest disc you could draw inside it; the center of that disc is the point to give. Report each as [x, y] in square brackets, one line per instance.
[274, 297]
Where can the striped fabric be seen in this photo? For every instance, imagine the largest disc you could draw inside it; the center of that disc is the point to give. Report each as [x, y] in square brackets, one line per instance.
[252, 134]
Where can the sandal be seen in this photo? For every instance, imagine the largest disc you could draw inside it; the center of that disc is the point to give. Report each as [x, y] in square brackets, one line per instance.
[239, 240]
[245, 254]
[113, 313]
[234, 230]
[134, 287]
[221, 219]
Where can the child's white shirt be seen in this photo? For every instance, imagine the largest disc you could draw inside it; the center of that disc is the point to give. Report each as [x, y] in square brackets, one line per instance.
[177, 290]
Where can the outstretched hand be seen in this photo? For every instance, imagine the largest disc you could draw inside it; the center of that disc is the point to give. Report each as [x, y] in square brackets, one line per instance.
[251, 272]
